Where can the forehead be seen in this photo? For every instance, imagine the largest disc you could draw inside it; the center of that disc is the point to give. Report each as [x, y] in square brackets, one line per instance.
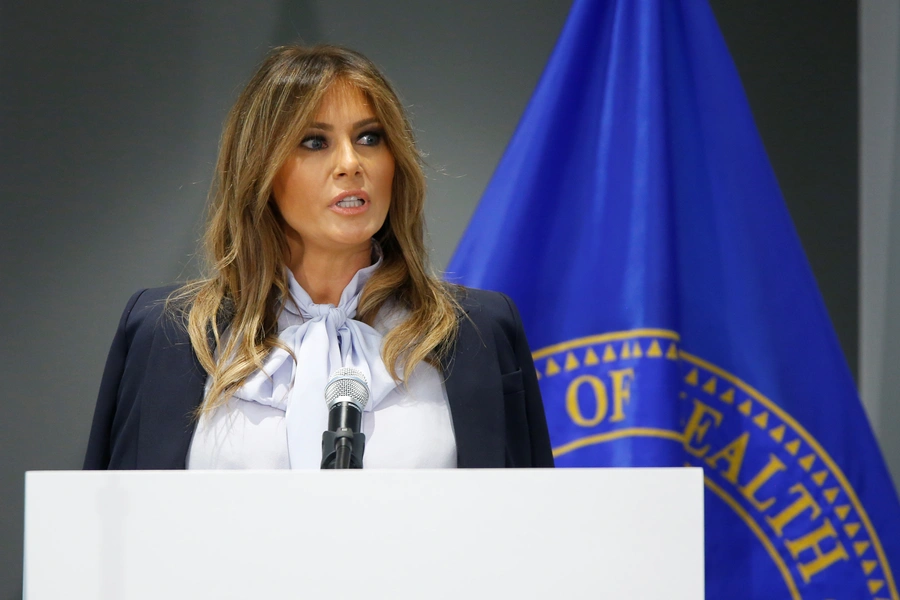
[344, 101]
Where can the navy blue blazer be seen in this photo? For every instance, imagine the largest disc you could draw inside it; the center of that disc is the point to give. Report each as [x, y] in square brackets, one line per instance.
[153, 383]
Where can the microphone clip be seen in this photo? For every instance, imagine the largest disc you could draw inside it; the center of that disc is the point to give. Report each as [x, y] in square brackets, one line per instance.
[343, 449]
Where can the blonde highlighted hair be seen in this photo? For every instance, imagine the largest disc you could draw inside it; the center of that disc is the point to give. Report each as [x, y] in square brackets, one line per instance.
[245, 244]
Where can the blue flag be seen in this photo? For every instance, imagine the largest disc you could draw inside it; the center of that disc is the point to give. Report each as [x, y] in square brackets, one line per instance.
[638, 225]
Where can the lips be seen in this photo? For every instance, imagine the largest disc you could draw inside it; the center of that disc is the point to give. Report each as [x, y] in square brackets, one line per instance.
[351, 203]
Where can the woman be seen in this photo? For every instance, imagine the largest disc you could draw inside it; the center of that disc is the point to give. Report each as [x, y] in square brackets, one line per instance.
[317, 262]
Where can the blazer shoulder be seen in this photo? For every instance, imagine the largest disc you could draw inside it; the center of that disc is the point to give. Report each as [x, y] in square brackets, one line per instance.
[486, 306]
[148, 311]
[151, 301]
[491, 303]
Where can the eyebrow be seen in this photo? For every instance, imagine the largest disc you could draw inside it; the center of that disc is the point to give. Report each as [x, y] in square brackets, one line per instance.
[357, 125]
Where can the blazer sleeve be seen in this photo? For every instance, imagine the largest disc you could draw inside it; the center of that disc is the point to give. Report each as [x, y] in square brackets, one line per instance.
[98, 449]
[539, 436]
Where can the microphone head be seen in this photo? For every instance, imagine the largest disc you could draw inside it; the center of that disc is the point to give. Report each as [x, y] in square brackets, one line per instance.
[347, 385]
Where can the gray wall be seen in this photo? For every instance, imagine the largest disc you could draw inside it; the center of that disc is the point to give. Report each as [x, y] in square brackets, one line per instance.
[109, 119]
[879, 335]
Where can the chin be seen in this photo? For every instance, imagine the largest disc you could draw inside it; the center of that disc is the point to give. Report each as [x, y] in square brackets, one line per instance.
[346, 241]
[356, 235]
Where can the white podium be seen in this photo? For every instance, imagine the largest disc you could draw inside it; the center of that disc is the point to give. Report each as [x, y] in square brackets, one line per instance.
[565, 533]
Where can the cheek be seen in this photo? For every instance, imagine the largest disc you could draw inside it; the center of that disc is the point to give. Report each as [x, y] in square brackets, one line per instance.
[290, 188]
[281, 186]
[386, 176]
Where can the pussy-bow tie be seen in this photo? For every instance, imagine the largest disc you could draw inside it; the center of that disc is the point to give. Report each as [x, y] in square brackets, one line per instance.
[328, 338]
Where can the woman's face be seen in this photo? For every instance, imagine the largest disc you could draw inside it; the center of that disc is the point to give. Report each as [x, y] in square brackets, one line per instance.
[334, 190]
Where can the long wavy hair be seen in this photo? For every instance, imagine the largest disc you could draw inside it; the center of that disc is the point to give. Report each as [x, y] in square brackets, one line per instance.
[246, 248]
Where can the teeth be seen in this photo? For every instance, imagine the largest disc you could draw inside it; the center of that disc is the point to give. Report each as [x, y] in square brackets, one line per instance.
[350, 202]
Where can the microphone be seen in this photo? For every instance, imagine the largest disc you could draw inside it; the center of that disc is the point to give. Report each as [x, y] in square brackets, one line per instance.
[343, 444]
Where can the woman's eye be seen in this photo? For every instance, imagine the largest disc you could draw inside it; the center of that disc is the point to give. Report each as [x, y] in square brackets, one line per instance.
[371, 138]
[313, 142]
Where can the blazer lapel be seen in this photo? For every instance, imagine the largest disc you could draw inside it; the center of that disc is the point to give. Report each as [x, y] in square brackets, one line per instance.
[475, 392]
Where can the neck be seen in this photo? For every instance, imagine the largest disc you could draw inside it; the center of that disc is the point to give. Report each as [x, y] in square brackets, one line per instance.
[325, 274]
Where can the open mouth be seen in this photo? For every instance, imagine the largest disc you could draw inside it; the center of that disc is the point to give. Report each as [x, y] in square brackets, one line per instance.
[350, 202]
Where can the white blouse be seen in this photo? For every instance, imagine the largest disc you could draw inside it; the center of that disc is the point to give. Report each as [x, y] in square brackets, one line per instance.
[410, 427]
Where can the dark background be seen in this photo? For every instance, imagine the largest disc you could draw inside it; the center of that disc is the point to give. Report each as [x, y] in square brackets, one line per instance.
[109, 119]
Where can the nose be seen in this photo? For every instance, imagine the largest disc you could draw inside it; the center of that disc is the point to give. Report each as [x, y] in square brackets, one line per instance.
[347, 160]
